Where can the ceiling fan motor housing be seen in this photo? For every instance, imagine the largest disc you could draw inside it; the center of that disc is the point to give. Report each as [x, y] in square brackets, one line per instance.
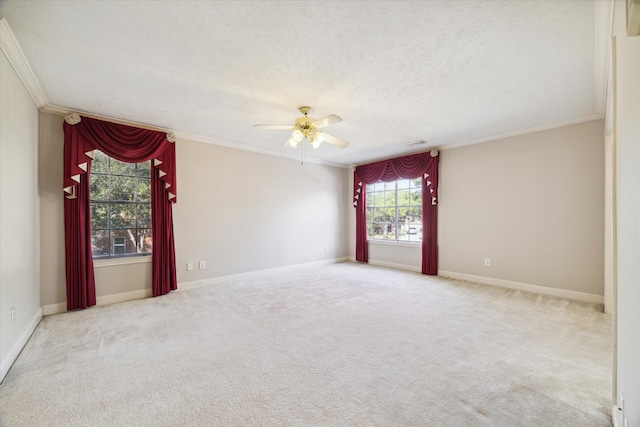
[305, 125]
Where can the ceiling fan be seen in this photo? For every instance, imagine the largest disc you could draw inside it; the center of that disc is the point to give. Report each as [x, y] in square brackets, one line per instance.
[308, 128]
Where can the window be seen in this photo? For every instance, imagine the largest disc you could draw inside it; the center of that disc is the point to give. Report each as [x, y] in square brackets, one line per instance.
[120, 207]
[394, 210]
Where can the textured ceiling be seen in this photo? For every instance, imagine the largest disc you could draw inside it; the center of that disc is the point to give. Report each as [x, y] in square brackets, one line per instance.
[446, 72]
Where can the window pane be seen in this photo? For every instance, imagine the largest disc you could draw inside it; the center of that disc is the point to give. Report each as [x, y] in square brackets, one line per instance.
[99, 187]
[120, 207]
[369, 215]
[403, 198]
[394, 210]
[416, 196]
[123, 242]
[122, 188]
[403, 224]
[144, 169]
[415, 215]
[370, 230]
[378, 199]
[403, 183]
[144, 216]
[100, 243]
[122, 168]
[123, 215]
[144, 190]
[100, 162]
[415, 224]
[390, 198]
[145, 243]
[378, 215]
[99, 215]
[390, 218]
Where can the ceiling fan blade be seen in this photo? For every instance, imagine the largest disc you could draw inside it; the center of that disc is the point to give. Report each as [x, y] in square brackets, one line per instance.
[276, 127]
[326, 121]
[334, 141]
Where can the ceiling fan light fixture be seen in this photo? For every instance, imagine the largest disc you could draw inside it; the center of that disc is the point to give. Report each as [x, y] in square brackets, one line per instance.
[317, 139]
[297, 136]
[308, 128]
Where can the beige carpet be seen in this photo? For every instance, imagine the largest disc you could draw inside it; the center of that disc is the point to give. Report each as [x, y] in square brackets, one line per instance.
[341, 345]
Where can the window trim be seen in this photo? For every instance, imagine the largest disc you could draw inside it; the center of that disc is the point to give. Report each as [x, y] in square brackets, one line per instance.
[108, 259]
[122, 260]
[403, 243]
[396, 241]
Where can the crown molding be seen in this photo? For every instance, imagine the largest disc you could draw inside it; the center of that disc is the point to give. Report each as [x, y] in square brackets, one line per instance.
[62, 111]
[288, 155]
[19, 62]
[525, 131]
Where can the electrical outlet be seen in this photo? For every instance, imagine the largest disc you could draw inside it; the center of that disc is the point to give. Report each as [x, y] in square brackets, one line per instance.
[190, 266]
[487, 262]
[13, 313]
[203, 265]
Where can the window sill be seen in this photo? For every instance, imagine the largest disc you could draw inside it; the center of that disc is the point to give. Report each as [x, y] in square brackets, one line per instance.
[98, 263]
[395, 243]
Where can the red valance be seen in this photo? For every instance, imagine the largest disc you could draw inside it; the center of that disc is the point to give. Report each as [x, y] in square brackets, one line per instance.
[422, 165]
[122, 142]
[82, 135]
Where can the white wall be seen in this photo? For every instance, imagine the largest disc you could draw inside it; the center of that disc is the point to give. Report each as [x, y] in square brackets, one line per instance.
[241, 211]
[627, 145]
[238, 211]
[19, 216]
[533, 204]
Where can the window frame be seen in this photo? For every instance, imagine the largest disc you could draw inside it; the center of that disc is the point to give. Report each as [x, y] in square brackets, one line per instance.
[143, 232]
[396, 225]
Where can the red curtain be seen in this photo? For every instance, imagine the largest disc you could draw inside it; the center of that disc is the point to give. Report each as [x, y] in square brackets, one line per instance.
[424, 166]
[127, 144]
[79, 261]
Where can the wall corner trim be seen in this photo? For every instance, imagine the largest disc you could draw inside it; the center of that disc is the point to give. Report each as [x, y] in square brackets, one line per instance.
[526, 287]
[19, 62]
[17, 347]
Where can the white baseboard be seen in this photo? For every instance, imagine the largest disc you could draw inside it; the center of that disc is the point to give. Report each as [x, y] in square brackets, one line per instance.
[146, 293]
[54, 308]
[536, 289]
[17, 347]
[615, 416]
[253, 274]
[103, 300]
